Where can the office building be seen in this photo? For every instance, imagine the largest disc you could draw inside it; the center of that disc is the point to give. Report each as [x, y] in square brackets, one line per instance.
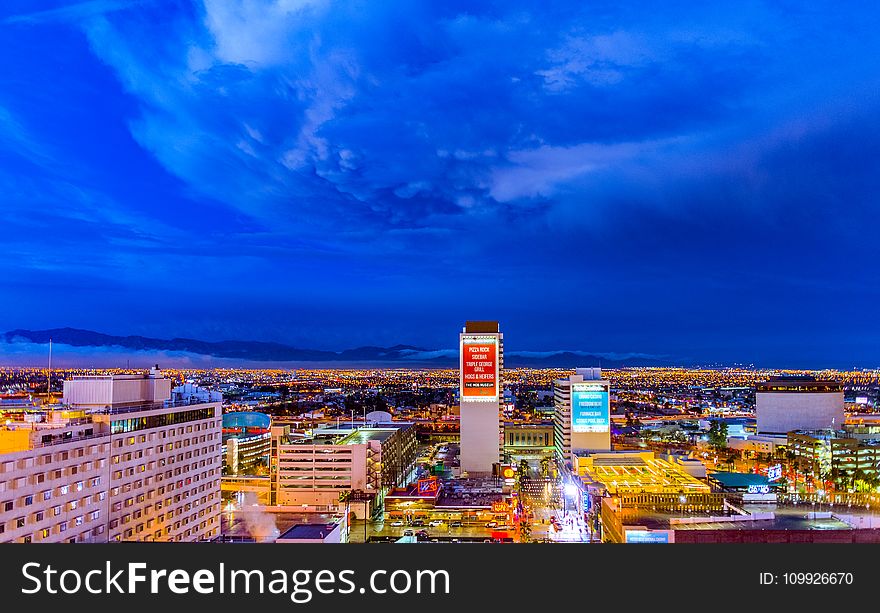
[246, 443]
[116, 461]
[481, 362]
[582, 418]
[784, 404]
[318, 472]
[528, 438]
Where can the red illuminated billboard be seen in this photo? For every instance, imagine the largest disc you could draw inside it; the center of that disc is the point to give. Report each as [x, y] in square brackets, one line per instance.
[479, 367]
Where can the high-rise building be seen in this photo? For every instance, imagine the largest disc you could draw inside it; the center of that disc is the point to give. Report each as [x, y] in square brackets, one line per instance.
[117, 461]
[481, 361]
[784, 404]
[582, 420]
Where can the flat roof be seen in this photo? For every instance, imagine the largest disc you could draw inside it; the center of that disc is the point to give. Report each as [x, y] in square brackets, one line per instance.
[308, 531]
[485, 327]
[368, 434]
[784, 519]
[728, 479]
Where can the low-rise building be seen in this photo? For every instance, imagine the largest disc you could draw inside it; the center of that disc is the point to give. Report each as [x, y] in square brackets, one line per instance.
[319, 472]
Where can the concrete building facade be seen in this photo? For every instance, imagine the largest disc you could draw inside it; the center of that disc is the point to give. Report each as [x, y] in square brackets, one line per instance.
[785, 404]
[582, 417]
[481, 362]
[117, 461]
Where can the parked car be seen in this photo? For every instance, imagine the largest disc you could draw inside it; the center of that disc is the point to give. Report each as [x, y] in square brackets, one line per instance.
[407, 533]
[491, 524]
[435, 523]
[455, 524]
[397, 523]
[418, 523]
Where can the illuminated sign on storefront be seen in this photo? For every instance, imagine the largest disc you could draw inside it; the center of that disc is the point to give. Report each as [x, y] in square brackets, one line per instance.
[646, 536]
[428, 486]
[774, 473]
[479, 368]
[590, 408]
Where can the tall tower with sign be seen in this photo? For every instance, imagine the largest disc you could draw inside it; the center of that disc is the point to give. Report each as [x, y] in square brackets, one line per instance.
[481, 350]
[582, 420]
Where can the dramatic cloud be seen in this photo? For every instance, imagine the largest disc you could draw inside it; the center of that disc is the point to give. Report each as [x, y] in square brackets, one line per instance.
[683, 173]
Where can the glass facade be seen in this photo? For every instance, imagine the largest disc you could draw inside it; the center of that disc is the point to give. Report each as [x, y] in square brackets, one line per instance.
[120, 426]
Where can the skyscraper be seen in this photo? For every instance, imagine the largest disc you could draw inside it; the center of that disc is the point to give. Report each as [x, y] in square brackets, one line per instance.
[481, 361]
[582, 418]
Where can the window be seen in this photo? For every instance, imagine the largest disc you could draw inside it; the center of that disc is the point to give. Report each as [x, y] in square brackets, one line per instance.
[19, 523]
[47, 495]
[28, 500]
[8, 505]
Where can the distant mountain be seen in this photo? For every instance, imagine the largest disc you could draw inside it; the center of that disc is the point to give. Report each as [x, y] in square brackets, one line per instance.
[258, 351]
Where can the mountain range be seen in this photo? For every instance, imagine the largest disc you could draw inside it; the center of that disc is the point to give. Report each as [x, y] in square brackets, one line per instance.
[259, 351]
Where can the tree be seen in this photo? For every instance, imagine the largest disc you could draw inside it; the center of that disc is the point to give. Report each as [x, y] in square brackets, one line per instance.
[525, 531]
[718, 434]
[545, 467]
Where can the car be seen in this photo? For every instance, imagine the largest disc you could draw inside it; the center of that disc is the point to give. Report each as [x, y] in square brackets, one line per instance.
[418, 523]
[397, 524]
[491, 524]
[407, 533]
[455, 524]
[435, 523]
[422, 534]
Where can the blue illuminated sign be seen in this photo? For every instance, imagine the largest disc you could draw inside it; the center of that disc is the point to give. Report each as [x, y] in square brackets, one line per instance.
[644, 536]
[590, 408]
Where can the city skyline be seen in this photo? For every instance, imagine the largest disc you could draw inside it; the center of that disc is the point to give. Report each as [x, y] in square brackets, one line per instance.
[697, 183]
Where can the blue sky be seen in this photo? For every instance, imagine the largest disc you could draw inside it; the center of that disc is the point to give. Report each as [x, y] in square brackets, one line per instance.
[699, 181]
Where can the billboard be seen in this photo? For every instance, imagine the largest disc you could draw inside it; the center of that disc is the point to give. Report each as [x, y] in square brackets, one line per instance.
[590, 408]
[479, 367]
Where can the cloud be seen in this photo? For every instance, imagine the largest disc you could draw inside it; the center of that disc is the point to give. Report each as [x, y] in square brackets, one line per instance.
[416, 162]
[404, 116]
[75, 12]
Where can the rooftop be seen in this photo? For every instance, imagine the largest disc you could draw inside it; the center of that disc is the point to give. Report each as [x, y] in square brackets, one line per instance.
[364, 435]
[738, 480]
[308, 531]
[637, 472]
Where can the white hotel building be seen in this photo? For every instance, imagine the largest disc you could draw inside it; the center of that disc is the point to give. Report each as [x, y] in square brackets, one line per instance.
[569, 435]
[117, 461]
